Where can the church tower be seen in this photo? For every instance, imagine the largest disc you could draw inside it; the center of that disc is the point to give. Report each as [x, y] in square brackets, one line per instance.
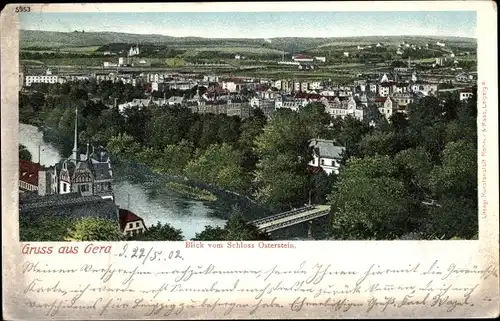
[76, 154]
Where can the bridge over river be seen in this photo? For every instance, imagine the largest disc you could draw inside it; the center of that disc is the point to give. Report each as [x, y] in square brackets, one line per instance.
[290, 218]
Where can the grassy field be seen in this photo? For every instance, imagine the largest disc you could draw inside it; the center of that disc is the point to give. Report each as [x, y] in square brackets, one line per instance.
[31, 62]
[467, 58]
[79, 49]
[236, 50]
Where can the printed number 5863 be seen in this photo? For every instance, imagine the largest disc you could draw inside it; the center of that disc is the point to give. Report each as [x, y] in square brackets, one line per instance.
[23, 9]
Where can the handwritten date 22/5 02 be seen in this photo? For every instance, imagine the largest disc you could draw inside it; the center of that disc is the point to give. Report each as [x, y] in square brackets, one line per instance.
[149, 254]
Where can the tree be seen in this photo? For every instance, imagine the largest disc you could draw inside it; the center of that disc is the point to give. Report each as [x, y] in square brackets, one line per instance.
[454, 217]
[283, 151]
[353, 130]
[138, 123]
[238, 229]
[218, 165]
[161, 232]
[174, 158]
[414, 166]
[44, 228]
[320, 185]
[211, 234]
[169, 126]
[368, 201]
[250, 129]
[94, 229]
[457, 175]
[24, 153]
[235, 229]
[125, 145]
[315, 119]
[378, 143]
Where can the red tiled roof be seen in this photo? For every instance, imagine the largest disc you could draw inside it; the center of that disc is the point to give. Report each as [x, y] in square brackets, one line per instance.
[380, 99]
[307, 96]
[233, 79]
[28, 172]
[126, 216]
[466, 90]
[302, 57]
[261, 88]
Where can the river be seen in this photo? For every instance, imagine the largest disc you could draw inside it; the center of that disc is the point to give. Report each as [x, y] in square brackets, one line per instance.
[140, 193]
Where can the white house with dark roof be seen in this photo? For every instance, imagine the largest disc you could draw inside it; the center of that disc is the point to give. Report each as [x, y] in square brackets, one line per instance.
[327, 155]
[466, 93]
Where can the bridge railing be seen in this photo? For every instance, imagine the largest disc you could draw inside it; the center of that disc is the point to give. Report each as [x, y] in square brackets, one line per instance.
[281, 215]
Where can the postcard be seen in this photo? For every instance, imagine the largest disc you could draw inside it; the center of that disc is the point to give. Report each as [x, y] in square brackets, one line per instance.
[249, 160]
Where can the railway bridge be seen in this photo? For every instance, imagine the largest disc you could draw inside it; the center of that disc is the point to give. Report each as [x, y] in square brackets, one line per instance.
[290, 218]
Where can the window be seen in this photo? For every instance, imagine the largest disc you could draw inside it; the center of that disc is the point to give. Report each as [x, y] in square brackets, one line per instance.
[141, 230]
[322, 162]
[137, 224]
[131, 225]
[64, 187]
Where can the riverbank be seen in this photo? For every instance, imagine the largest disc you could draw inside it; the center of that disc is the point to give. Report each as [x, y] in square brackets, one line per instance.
[191, 192]
[221, 201]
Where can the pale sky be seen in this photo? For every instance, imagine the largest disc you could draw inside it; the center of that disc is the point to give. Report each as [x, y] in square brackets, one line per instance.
[262, 24]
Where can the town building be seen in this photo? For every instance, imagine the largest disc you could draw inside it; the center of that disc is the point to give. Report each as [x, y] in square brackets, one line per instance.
[47, 78]
[134, 51]
[327, 155]
[88, 175]
[385, 89]
[466, 93]
[387, 106]
[403, 100]
[136, 103]
[465, 77]
[108, 64]
[302, 58]
[130, 223]
[344, 106]
[28, 176]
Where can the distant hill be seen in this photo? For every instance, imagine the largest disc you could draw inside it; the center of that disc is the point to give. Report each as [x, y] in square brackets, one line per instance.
[51, 39]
